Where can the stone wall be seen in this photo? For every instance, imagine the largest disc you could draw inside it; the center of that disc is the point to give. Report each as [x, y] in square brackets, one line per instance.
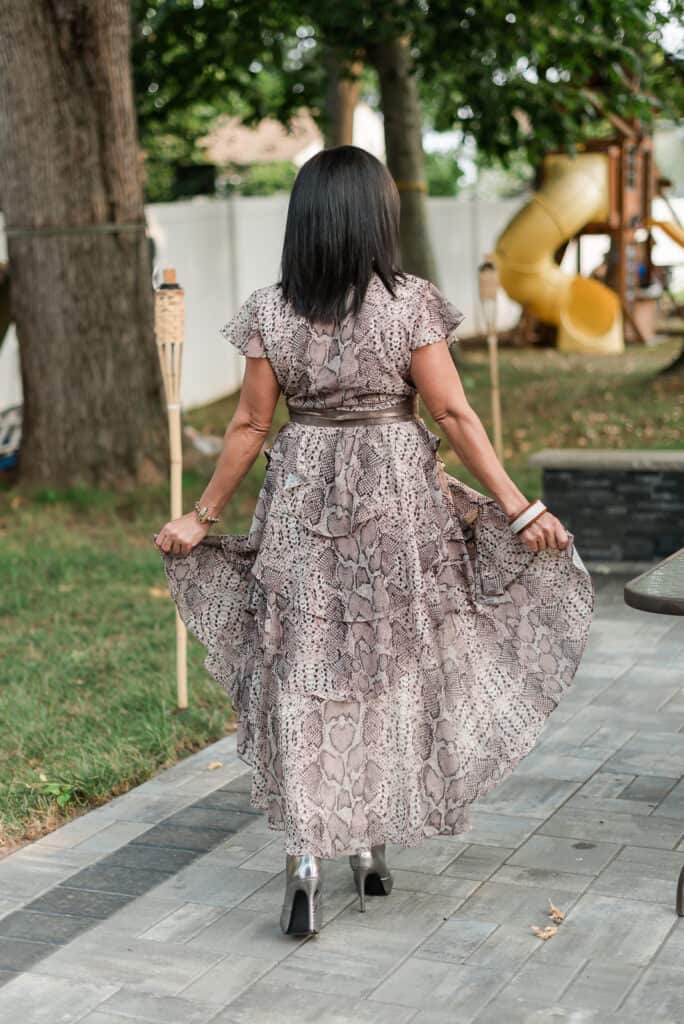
[620, 505]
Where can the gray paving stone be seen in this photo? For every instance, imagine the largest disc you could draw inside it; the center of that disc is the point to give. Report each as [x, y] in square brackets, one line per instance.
[80, 903]
[638, 873]
[228, 800]
[52, 928]
[606, 784]
[155, 858]
[508, 947]
[227, 979]
[534, 797]
[214, 882]
[606, 928]
[270, 858]
[36, 999]
[651, 753]
[125, 1003]
[596, 826]
[671, 953]
[180, 837]
[493, 829]
[542, 878]
[574, 856]
[248, 933]
[139, 915]
[210, 817]
[265, 1003]
[672, 806]
[504, 903]
[8, 906]
[28, 878]
[6, 976]
[432, 985]
[444, 885]
[239, 847]
[183, 923]
[414, 914]
[455, 940]
[528, 1011]
[20, 954]
[478, 862]
[609, 805]
[162, 968]
[240, 784]
[134, 806]
[336, 962]
[542, 983]
[600, 986]
[113, 836]
[658, 995]
[431, 858]
[565, 767]
[120, 880]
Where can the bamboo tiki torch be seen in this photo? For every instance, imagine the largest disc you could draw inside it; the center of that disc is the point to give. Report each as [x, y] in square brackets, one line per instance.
[489, 287]
[169, 326]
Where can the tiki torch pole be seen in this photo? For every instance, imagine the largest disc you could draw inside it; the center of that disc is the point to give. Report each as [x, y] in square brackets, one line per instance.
[169, 323]
[489, 286]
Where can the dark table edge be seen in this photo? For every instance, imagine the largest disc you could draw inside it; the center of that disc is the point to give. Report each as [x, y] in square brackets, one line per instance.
[663, 605]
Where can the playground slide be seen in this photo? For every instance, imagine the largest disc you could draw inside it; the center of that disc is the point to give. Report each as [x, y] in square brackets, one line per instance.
[586, 312]
[675, 231]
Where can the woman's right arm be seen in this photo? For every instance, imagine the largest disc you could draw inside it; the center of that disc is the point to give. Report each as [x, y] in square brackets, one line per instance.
[439, 385]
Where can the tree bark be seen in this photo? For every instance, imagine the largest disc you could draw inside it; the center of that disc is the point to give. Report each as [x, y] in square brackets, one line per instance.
[404, 145]
[342, 97]
[81, 298]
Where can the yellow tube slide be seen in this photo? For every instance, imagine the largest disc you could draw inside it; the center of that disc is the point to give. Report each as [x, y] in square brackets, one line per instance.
[586, 312]
[675, 232]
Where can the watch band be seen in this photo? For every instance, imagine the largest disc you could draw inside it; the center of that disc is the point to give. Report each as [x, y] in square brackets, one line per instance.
[528, 516]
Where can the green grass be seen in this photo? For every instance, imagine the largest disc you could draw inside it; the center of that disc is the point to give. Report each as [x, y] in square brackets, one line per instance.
[87, 673]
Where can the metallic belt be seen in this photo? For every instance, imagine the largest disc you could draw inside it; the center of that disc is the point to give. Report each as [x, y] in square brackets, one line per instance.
[407, 409]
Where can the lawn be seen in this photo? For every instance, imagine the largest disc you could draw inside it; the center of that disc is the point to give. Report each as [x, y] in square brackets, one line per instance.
[87, 640]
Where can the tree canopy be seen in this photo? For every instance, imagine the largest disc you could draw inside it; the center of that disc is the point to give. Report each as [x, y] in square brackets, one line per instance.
[513, 75]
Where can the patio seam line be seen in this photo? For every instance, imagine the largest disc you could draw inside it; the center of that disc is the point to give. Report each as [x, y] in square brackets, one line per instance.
[89, 921]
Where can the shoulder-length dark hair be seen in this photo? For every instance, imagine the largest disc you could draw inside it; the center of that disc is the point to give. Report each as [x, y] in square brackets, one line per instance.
[342, 227]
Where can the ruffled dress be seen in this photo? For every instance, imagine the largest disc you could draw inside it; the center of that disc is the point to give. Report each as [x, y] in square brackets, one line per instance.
[391, 649]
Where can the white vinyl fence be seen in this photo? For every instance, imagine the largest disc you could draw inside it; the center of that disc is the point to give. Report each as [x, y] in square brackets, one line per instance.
[223, 249]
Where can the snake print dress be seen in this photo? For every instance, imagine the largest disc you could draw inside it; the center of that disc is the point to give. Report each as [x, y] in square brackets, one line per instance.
[391, 649]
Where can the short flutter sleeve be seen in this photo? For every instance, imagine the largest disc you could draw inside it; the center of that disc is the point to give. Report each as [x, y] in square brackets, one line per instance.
[243, 330]
[436, 318]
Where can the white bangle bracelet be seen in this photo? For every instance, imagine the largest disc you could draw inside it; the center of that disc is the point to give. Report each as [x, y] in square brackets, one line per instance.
[536, 509]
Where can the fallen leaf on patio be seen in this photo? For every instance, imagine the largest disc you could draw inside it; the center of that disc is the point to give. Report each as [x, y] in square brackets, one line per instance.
[555, 914]
[545, 933]
[213, 765]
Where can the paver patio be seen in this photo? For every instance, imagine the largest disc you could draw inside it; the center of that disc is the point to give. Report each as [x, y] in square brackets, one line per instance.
[163, 905]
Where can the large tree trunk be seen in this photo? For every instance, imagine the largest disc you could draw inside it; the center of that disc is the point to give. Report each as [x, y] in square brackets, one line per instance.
[342, 97]
[404, 144]
[81, 298]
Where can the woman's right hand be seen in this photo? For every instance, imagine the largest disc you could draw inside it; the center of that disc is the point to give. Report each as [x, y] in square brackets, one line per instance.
[545, 532]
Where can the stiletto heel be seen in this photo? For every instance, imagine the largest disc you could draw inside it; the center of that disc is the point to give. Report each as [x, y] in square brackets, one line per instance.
[301, 913]
[372, 877]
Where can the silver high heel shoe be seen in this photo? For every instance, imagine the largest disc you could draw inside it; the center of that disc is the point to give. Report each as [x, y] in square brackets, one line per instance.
[372, 877]
[301, 913]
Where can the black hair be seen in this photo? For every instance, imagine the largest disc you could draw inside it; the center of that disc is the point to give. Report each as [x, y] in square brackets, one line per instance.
[342, 227]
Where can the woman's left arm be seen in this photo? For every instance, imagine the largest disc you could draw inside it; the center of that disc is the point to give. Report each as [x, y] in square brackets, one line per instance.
[242, 443]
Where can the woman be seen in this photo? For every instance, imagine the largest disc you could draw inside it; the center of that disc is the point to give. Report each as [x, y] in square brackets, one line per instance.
[392, 640]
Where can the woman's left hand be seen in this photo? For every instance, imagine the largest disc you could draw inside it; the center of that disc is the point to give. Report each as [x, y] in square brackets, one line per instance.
[180, 536]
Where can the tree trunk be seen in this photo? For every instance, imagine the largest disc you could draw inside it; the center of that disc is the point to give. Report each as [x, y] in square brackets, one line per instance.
[81, 295]
[404, 145]
[342, 97]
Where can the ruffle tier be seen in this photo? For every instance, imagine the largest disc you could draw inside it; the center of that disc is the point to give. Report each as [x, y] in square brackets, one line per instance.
[391, 649]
